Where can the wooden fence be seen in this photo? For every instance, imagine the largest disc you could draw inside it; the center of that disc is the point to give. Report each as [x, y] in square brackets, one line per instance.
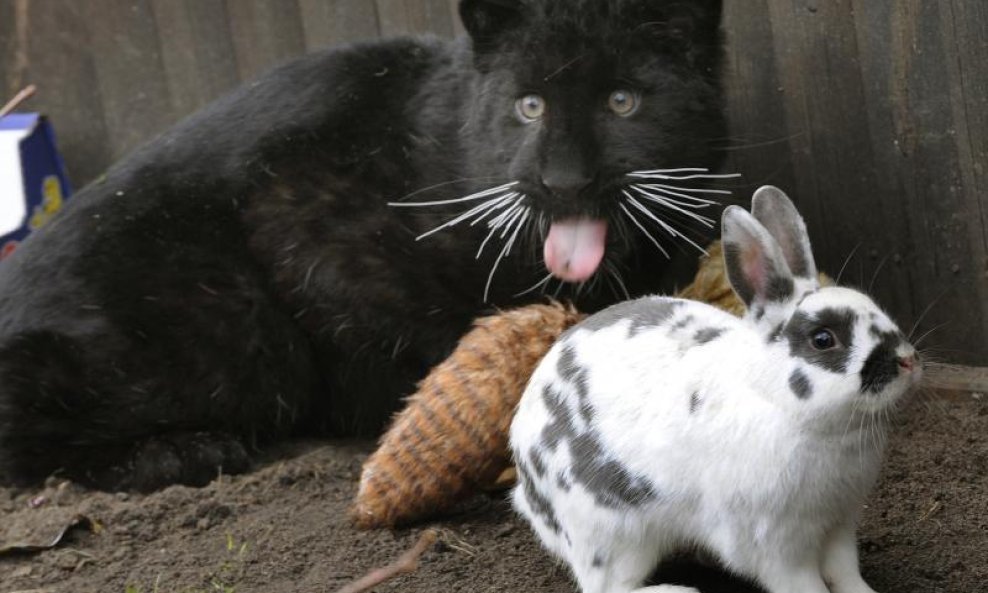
[873, 114]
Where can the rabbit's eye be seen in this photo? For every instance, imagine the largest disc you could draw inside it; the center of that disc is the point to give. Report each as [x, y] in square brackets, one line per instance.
[823, 339]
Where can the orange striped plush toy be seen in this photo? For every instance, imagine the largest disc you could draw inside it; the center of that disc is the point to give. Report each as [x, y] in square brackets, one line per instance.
[451, 440]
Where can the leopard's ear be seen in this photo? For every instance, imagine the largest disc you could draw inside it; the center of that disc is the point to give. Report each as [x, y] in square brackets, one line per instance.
[487, 20]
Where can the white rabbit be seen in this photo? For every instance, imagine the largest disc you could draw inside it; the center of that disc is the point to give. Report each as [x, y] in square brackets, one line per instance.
[660, 424]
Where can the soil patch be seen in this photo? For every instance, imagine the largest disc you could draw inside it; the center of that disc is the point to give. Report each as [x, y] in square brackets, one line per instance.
[283, 528]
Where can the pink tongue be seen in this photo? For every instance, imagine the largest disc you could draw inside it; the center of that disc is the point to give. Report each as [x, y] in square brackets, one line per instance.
[574, 248]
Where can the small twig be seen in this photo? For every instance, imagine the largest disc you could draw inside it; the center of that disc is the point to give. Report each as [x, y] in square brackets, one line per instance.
[929, 513]
[408, 562]
[19, 98]
[456, 543]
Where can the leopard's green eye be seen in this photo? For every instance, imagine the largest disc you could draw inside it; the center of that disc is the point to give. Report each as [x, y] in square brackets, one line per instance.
[623, 102]
[530, 108]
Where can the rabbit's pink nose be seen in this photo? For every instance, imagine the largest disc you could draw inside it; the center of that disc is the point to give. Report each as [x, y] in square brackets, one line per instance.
[908, 363]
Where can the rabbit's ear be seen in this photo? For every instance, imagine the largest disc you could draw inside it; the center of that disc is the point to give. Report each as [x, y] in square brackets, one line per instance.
[755, 264]
[773, 208]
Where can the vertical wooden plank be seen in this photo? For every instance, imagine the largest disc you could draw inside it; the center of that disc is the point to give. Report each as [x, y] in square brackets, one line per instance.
[928, 167]
[965, 35]
[265, 33]
[14, 23]
[330, 22]
[398, 17]
[130, 72]
[8, 48]
[893, 226]
[196, 50]
[60, 62]
[758, 144]
[818, 54]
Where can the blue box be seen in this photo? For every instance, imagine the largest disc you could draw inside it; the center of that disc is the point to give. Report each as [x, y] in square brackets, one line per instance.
[33, 184]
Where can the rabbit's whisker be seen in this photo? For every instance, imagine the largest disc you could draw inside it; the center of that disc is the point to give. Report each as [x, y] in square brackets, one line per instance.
[928, 332]
[925, 312]
[878, 270]
[847, 260]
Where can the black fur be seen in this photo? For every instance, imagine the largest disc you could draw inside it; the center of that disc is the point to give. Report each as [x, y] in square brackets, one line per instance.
[243, 278]
[882, 365]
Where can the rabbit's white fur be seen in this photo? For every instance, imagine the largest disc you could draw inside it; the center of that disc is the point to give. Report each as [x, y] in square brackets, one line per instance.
[661, 424]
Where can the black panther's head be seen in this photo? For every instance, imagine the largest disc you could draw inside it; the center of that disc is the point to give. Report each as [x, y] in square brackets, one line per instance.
[580, 104]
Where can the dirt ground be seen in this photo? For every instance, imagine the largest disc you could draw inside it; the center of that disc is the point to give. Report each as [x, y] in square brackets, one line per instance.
[283, 528]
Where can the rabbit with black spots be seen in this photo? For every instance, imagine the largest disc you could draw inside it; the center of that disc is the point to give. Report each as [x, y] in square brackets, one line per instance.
[660, 424]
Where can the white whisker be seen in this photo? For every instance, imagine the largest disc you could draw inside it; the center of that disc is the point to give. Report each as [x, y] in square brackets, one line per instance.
[541, 283]
[679, 170]
[511, 221]
[497, 222]
[667, 200]
[474, 196]
[497, 260]
[671, 205]
[501, 218]
[521, 225]
[500, 202]
[642, 228]
[483, 209]
[668, 228]
[658, 174]
[559, 289]
[695, 190]
[613, 271]
[641, 207]
[685, 200]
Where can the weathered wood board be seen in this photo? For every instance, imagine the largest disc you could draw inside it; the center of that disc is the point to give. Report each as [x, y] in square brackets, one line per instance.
[874, 115]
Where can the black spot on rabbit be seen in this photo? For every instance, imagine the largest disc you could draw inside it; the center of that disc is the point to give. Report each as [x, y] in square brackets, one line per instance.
[610, 482]
[561, 425]
[535, 458]
[538, 502]
[642, 314]
[683, 322]
[800, 384]
[571, 371]
[694, 402]
[708, 334]
[882, 364]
